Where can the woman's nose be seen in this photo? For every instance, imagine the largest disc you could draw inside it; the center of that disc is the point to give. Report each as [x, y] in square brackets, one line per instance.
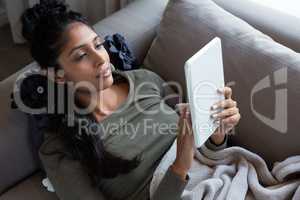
[99, 59]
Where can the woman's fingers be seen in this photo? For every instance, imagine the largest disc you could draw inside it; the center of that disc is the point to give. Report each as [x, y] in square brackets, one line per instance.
[226, 113]
[181, 107]
[184, 123]
[227, 91]
[187, 122]
[185, 142]
[232, 120]
[184, 119]
[227, 103]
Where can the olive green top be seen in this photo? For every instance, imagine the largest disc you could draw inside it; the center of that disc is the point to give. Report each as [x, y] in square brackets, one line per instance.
[144, 125]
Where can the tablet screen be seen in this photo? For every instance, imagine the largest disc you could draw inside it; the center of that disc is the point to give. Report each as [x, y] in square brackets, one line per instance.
[204, 75]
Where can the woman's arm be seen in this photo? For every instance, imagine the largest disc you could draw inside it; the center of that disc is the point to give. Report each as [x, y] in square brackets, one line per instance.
[171, 187]
[176, 178]
[67, 176]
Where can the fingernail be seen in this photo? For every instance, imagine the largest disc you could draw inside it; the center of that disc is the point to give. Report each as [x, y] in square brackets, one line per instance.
[216, 121]
[220, 90]
[214, 116]
[187, 114]
[214, 107]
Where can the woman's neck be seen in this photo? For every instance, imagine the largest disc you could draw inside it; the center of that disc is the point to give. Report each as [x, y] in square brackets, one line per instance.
[105, 101]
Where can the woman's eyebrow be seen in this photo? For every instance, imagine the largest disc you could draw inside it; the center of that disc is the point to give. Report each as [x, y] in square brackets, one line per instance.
[80, 46]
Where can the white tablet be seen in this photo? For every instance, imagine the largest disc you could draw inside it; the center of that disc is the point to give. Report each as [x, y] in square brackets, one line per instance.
[204, 75]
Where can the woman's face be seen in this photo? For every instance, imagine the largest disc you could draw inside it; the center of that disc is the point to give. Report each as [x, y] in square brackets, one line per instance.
[84, 57]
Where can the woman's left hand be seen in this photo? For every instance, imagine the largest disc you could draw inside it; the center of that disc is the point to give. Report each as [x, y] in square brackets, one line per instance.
[228, 117]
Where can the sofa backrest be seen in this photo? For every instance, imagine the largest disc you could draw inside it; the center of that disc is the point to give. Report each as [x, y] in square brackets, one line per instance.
[281, 26]
[137, 23]
[264, 74]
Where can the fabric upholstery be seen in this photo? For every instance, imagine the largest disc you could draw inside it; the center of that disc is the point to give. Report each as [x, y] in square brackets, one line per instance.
[31, 188]
[137, 23]
[281, 26]
[16, 158]
[249, 57]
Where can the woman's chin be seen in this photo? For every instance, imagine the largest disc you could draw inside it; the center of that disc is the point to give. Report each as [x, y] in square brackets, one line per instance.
[105, 83]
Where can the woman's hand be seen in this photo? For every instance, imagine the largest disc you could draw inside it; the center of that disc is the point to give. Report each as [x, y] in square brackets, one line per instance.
[228, 117]
[185, 144]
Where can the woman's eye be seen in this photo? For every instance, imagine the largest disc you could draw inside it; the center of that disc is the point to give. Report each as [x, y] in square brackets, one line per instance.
[80, 57]
[99, 46]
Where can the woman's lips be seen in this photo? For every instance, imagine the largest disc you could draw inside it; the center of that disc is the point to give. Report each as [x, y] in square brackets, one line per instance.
[107, 73]
[104, 73]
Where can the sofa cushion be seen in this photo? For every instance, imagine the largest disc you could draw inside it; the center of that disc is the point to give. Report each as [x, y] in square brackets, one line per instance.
[17, 160]
[30, 188]
[263, 73]
[136, 22]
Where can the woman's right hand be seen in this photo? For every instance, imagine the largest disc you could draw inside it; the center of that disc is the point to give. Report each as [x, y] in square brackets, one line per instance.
[185, 143]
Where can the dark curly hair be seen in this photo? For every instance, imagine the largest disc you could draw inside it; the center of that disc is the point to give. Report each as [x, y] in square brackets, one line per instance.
[44, 27]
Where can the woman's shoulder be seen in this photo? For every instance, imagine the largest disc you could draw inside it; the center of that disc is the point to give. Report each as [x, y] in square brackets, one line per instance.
[143, 75]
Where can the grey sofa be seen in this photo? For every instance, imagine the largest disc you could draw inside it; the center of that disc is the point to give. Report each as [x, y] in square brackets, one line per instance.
[20, 174]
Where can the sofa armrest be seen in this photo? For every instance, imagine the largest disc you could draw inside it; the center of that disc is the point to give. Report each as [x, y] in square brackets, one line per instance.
[137, 22]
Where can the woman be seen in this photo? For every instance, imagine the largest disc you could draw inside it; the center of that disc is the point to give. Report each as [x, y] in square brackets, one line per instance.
[134, 128]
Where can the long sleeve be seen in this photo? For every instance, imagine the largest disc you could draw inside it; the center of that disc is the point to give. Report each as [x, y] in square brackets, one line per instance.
[210, 145]
[67, 176]
[170, 188]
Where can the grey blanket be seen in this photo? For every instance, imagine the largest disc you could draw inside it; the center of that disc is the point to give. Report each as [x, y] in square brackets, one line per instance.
[235, 174]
